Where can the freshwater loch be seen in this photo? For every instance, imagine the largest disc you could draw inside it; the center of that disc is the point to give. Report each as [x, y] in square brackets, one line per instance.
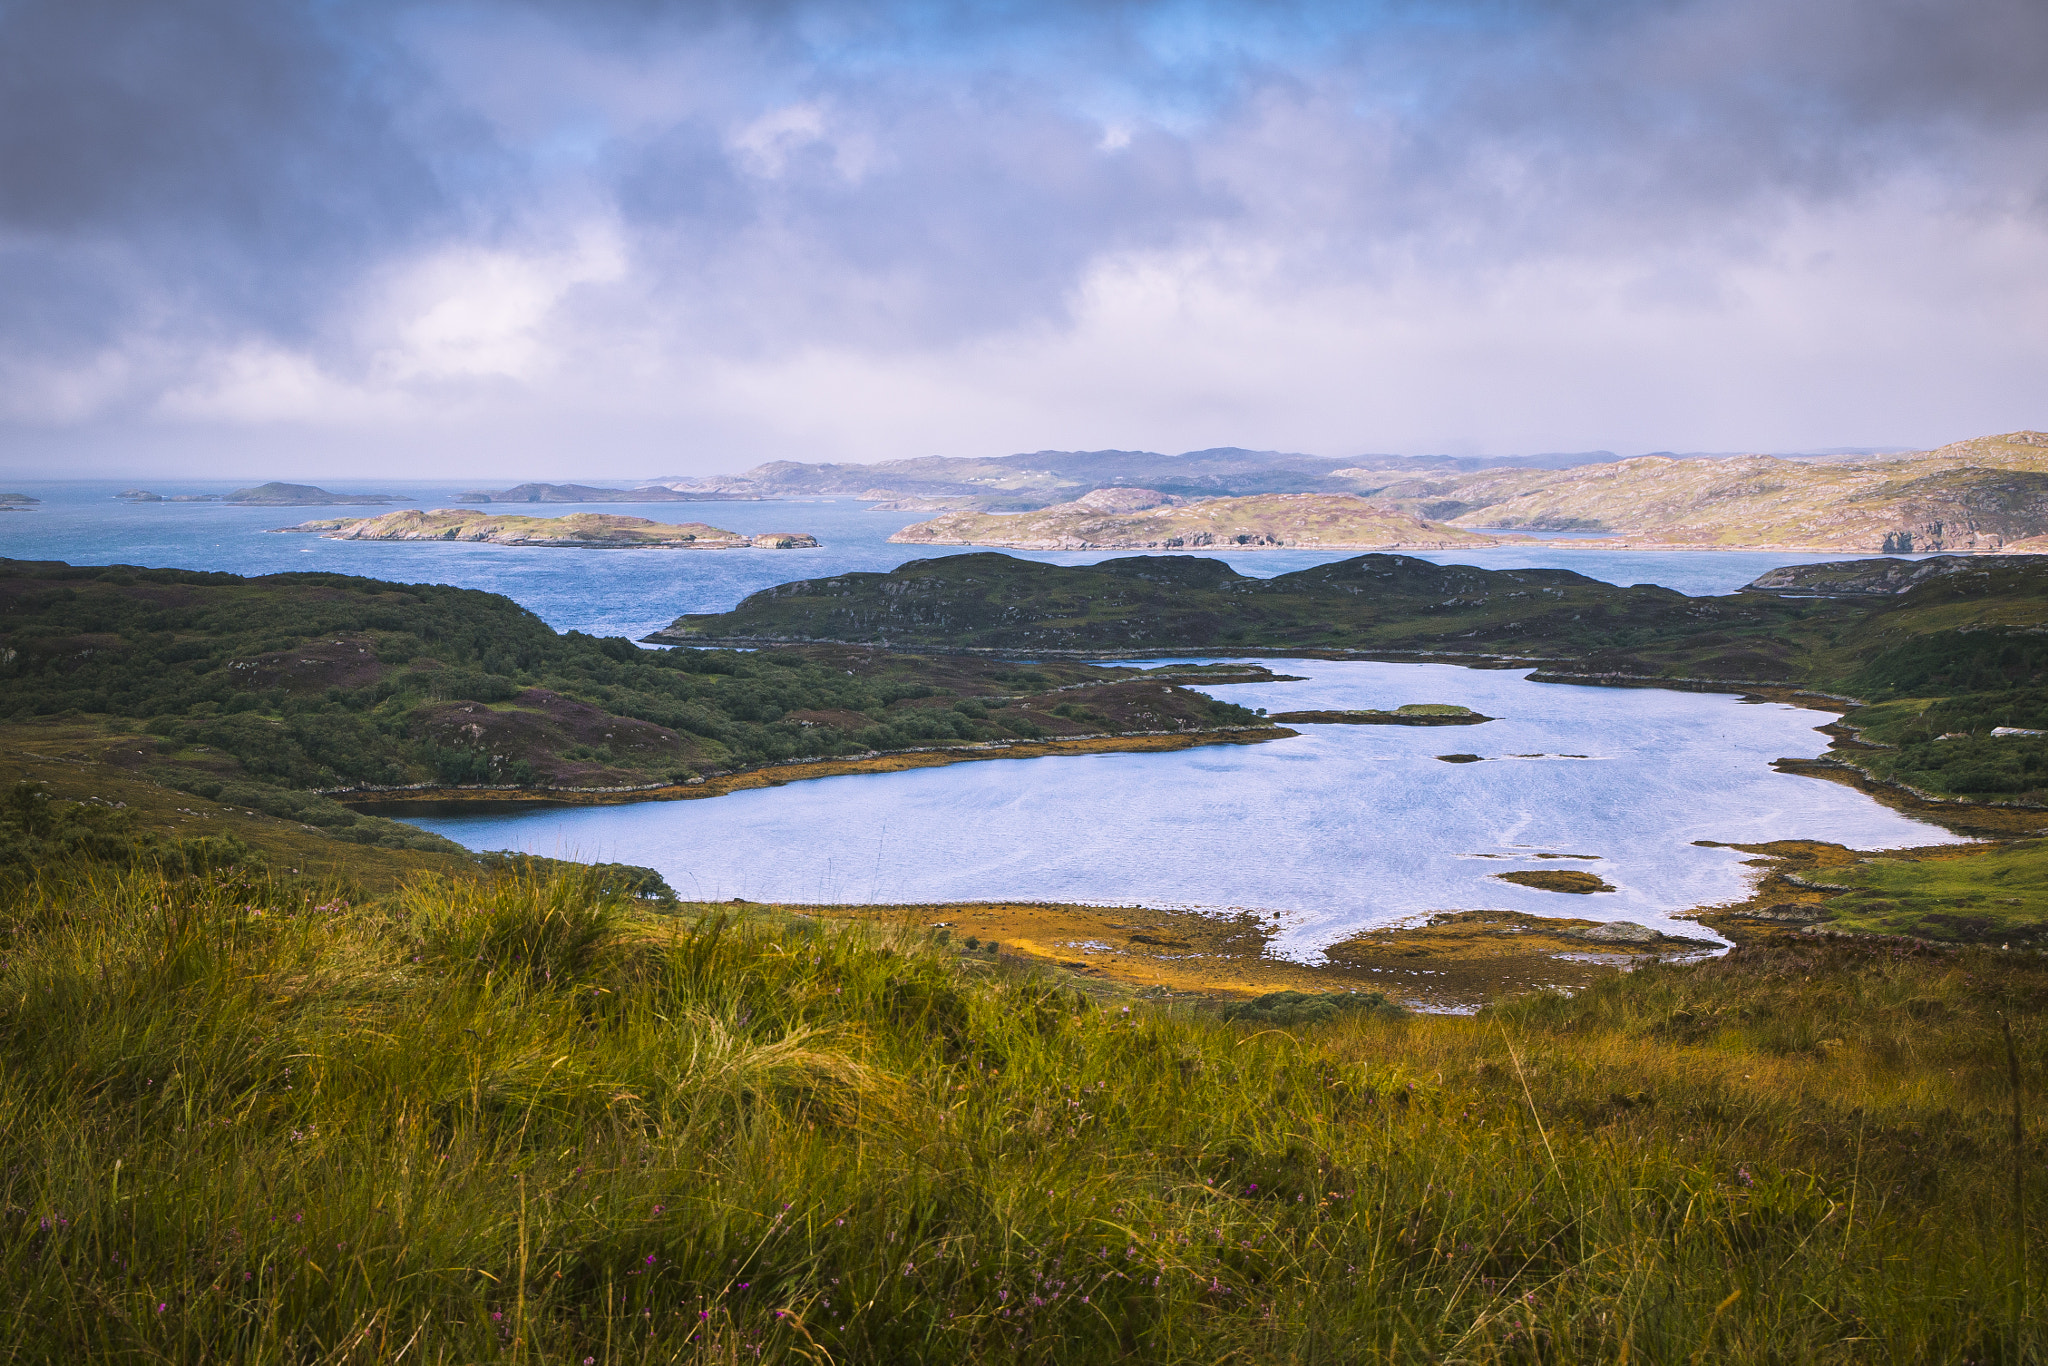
[1338, 829]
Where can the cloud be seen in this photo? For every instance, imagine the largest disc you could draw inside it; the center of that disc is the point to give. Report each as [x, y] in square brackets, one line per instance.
[715, 233]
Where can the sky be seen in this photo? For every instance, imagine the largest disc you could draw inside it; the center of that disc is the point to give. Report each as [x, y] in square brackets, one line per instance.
[625, 238]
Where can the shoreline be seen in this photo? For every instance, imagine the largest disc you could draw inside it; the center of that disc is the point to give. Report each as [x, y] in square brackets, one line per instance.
[1453, 961]
[443, 801]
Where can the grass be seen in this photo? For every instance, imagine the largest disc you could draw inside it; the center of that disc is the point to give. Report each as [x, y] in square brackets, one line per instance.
[515, 1119]
[1996, 894]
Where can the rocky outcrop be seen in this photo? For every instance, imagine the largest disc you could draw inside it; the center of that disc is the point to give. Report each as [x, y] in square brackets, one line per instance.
[1144, 519]
[576, 531]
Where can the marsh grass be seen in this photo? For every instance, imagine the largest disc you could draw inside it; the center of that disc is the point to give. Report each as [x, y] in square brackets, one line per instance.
[521, 1120]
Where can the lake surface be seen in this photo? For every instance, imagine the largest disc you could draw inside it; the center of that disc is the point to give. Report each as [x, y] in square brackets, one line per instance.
[1340, 829]
[632, 592]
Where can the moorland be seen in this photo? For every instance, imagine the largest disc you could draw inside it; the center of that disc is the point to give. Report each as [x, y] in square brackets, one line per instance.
[413, 1106]
[283, 1081]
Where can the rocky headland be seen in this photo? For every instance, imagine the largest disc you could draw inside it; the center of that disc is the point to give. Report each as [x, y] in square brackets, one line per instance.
[1145, 519]
[576, 531]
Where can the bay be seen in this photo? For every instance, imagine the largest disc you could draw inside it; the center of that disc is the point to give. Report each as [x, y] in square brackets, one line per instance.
[1339, 829]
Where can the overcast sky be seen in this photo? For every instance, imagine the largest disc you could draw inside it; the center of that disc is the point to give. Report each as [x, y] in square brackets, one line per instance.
[626, 237]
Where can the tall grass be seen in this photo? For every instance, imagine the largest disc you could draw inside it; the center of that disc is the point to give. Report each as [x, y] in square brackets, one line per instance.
[517, 1120]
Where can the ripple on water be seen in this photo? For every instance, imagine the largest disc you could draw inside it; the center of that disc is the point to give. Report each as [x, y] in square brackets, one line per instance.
[1339, 829]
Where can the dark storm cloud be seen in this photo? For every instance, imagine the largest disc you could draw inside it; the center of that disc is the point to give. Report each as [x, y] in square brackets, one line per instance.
[228, 162]
[178, 181]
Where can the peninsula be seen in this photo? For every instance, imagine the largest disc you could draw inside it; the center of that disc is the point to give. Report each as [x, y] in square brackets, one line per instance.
[1144, 519]
[576, 531]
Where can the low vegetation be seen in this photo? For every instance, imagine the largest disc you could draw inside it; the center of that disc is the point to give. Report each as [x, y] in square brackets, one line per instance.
[524, 1117]
[266, 692]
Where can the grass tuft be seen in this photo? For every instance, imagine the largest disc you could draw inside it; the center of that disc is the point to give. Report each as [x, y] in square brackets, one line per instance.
[523, 1119]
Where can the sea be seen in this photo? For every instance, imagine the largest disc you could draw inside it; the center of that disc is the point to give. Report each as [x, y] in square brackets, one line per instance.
[1338, 829]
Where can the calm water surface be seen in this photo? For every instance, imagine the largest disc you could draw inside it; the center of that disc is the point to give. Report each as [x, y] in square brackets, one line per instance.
[1342, 828]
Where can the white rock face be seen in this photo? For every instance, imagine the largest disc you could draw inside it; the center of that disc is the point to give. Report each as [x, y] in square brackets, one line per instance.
[1126, 500]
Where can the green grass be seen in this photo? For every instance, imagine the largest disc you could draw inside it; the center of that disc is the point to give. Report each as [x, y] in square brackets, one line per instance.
[1994, 895]
[520, 1120]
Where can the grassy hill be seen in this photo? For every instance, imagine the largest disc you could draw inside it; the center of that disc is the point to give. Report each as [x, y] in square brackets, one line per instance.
[1960, 642]
[265, 693]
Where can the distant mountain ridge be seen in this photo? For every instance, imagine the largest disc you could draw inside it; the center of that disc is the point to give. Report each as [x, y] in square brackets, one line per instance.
[1022, 483]
[585, 493]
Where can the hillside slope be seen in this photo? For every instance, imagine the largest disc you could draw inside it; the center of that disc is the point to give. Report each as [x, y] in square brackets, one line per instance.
[1985, 494]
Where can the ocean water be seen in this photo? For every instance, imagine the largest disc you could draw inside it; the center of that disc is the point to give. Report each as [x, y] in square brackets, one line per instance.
[632, 592]
[1339, 829]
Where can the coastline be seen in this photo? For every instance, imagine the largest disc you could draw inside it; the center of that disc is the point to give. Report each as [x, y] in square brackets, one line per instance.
[421, 801]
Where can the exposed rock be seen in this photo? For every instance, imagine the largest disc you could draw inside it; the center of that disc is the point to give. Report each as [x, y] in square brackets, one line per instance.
[1619, 932]
[1143, 519]
[577, 530]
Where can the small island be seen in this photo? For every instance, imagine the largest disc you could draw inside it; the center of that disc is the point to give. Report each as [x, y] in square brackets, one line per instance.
[1557, 880]
[1412, 714]
[576, 531]
[275, 494]
[272, 494]
[15, 502]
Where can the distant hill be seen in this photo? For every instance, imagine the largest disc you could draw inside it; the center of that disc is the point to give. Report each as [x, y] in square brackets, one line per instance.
[1018, 483]
[299, 495]
[584, 493]
[1985, 494]
[1144, 519]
